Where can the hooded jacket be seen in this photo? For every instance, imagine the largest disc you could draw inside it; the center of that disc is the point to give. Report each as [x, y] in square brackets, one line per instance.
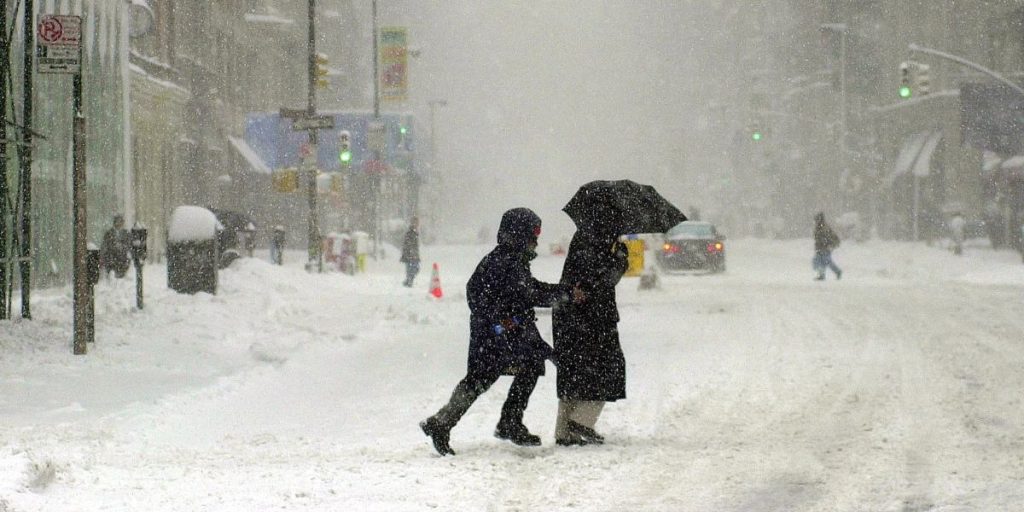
[502, 294]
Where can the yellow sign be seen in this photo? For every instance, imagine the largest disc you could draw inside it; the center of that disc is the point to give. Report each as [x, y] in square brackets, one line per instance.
[394, 63]
[285, 180]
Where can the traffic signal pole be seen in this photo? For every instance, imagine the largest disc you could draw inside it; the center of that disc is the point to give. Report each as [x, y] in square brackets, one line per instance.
[314, 227]
[376, 177]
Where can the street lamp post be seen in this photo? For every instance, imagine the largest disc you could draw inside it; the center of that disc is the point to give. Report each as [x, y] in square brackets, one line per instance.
[433, 104]
[841, 29]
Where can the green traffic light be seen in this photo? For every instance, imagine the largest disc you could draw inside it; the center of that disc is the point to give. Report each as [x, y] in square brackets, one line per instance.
[756, 136]
[345, 157]
[402, 129]
[905, 91]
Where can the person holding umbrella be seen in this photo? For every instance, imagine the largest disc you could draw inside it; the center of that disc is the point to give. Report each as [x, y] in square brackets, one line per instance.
[588, 355]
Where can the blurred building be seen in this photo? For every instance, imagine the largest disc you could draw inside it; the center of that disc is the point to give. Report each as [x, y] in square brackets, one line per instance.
[196, 74]
[902, 164]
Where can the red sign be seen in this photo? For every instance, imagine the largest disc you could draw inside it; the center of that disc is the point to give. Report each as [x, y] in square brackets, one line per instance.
[375, 167]
[60, 30]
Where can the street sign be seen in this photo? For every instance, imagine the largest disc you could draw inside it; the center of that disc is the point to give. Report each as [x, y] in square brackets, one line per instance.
[313, 123]
[376, 136]
[293, 113]
[375, 167]
[59, 44]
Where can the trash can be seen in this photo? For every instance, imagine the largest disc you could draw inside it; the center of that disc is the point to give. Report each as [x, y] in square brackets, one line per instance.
[192, 256]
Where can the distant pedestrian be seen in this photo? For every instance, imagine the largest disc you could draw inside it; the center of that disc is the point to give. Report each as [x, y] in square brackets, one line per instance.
[411, 252]
[825, 241]
[277, 242]
[957, 225]
[504, 339]
[114, 252]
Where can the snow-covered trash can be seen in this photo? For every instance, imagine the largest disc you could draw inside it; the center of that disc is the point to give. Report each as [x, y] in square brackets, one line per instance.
[192, 258]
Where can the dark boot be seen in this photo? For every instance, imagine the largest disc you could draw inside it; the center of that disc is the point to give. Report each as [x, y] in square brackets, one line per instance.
[438, 433]
[518, 434]
[438, 426]
[587, 434]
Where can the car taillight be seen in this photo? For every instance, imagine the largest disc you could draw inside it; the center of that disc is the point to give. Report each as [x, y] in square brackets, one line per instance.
[715, 247]
[670, 248]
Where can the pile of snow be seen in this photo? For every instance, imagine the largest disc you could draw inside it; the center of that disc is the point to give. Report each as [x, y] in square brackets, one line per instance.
[192, 224]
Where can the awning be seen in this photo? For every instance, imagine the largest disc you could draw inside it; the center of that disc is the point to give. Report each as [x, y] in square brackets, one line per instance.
[923, 165]
[915, 155]
[990, 161]
[249, 155]
[1013, 163]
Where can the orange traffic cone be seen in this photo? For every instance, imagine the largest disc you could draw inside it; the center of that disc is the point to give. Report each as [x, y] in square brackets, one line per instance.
[435, 283]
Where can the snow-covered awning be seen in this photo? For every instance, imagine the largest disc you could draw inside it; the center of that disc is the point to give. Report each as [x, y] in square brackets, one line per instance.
[269, 19]
[915, 155]
[990, 161]
[246, 152]
[923, 165]
[1016, 162]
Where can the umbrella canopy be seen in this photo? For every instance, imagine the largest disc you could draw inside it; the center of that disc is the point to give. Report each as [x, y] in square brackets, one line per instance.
[622, 207]
[231, 220]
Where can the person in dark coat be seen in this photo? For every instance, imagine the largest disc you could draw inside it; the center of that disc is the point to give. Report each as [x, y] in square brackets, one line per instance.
[115, 248]
[504, 339]
[588, 356]
[825, 241]
[411, 252]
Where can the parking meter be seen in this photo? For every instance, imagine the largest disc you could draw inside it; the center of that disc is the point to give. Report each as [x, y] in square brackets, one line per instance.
[139, 238]
[92, 266]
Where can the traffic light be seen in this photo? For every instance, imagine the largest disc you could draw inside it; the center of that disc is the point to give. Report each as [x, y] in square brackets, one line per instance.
[345, 148]
[320, 71]
[756, 131]
[906, 81]
[403, 139]
[922, 79]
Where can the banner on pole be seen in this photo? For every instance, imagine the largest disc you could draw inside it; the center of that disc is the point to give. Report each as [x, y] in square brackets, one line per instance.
[394, 55]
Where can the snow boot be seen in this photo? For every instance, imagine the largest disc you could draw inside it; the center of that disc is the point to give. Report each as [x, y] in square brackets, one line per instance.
[573, 440]
[586, 433]
[517, 434]
[438, 433]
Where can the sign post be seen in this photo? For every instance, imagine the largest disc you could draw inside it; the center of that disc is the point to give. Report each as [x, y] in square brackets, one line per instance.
[59, 50]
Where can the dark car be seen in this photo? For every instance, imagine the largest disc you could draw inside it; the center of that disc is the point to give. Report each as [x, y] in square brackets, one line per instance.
[693, 245]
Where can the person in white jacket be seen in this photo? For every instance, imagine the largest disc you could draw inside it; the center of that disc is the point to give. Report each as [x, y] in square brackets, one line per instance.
[957, 225]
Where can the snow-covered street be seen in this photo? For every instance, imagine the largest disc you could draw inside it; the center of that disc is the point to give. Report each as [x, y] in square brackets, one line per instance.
[895, 389]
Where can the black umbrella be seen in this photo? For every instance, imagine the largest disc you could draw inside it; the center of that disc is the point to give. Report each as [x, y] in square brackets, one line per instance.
[622, 207]
[231, 220]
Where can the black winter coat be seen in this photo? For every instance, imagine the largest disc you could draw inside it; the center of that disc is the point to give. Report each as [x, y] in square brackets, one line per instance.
[410, 247]
[502, 294]
[825, 239]
[589, 358]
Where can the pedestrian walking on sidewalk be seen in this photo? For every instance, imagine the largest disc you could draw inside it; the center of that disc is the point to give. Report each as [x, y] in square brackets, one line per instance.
[114, 251]
[825, 241]
[504, 339]
[411, 252]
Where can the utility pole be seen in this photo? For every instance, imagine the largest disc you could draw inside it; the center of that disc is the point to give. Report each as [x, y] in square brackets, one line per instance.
[375, 176]
[3, 161]
[26, 166]
[314, 227]
[841, 29]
